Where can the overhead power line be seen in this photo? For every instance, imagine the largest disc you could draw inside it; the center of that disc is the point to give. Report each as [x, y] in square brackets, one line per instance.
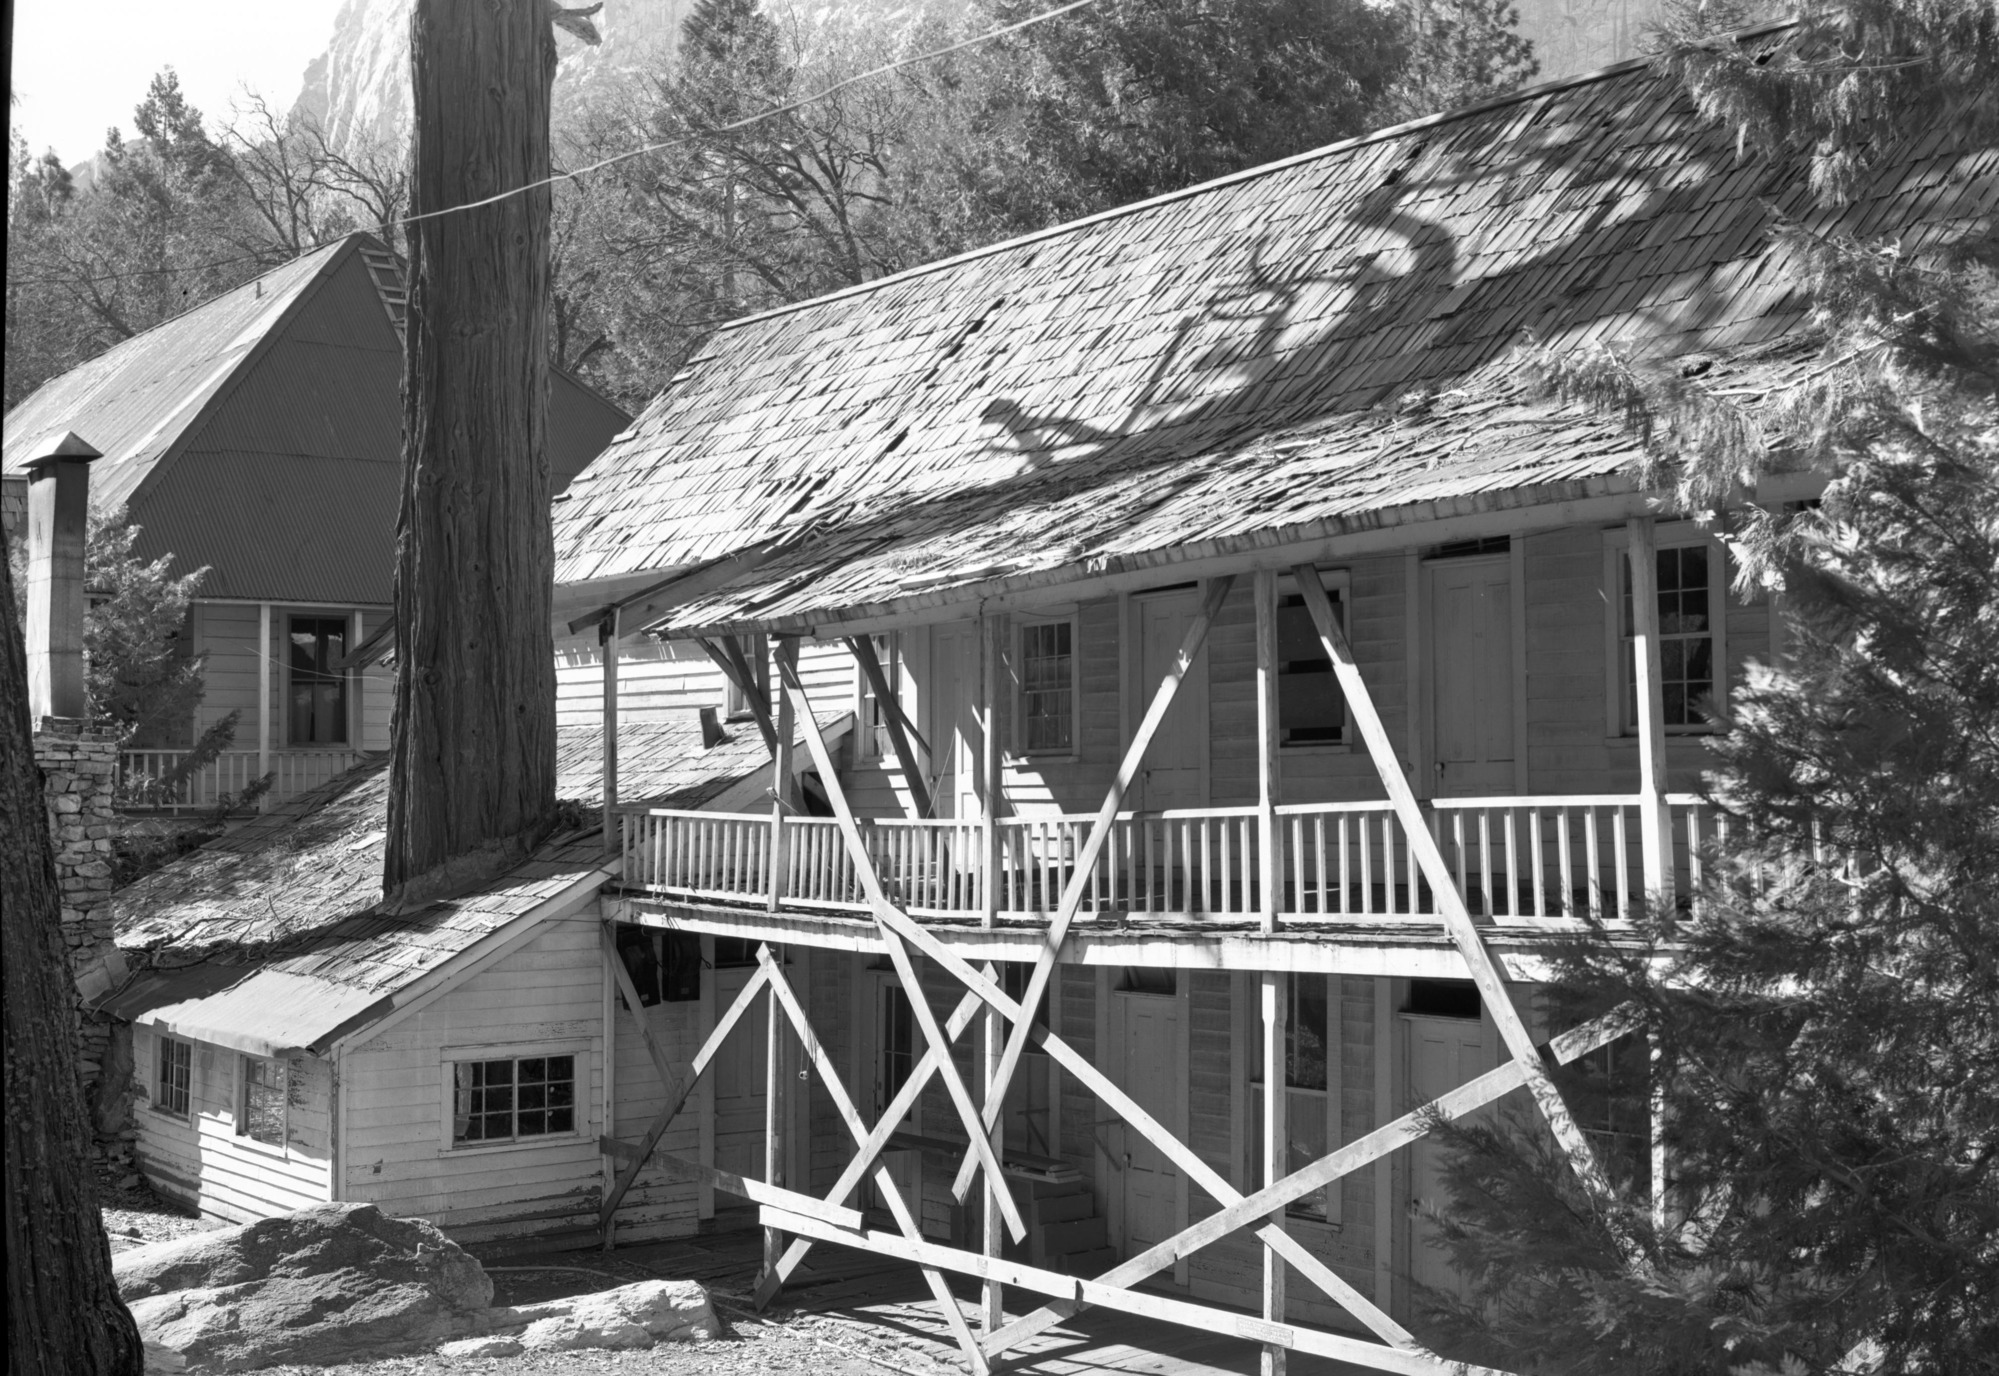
[759, 117]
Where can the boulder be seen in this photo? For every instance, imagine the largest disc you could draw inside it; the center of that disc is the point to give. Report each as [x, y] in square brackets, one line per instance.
[492, 1345]
[339, 1282]
[638, 1315]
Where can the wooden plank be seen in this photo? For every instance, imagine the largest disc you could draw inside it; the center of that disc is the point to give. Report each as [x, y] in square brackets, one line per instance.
[1185, 1313]
[783, 788]
[1086, 858]
[926, 1019]
[992, 631]
[615, 963]
[678, 1095]
[1271, 986]
[679, 1166]
[608, 639]
[1655, 837]
[863, 650]
[774, 1095]
[1471, 944]
[746, 685]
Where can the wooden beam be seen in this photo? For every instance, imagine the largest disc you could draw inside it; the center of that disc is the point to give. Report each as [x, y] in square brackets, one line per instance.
[992, 632]
[608, 639]
[863, 649]
[774, 1099]
[1271, 987]
[1093, 846]
[1336, 1165]
[731, 1183]
[1175, 1311]
[1142, 1122]
[747, 686]
[783, 788]
[677, 1096]
[919, 1006]
[843, 1104]
[1450, 902]
[1655, 835]
[858, 1168]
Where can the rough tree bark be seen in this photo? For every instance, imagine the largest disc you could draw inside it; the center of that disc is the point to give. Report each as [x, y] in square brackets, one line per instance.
[473, 762]
[63, 1310]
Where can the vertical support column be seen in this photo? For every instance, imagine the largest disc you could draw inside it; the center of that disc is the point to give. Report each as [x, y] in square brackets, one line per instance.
[1270, 875]
[609, 1085]
[356, 718]
[992, 630]
[264, 654]
[776, 1031]
[1655, 836]
[607, 638]
[781, 791]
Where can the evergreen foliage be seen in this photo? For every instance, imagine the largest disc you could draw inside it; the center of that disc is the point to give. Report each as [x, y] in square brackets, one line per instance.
[1824, 1023]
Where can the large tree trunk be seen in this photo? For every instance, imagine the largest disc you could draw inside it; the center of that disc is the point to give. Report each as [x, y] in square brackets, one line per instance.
[63, 1310]
[473, 784]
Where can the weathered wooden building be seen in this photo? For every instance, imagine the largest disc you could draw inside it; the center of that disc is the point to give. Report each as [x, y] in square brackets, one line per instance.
[1253, 670]
[259, 436]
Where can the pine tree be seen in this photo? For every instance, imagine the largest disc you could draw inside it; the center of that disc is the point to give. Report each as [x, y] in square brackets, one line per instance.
[1825, 1022]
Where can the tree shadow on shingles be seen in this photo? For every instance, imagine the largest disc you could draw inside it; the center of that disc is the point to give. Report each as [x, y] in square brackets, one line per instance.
[1253, 360]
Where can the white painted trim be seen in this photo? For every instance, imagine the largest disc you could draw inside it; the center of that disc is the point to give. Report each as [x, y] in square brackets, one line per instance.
[1665, 535]
[1017, 636]
[589, 1055]
[301, 606]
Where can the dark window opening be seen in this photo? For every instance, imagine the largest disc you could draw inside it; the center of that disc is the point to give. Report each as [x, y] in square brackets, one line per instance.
[1443, 998]
[1146, 979]
[1014, 976]
[1471, 549]
[1310, 707]
[176, 1077]
[734, 952]
[318, 713]
[504, 1100]
[1047, 688]
[1307, 1037]
[665, 967]
[262, 1115]
[1686, 638]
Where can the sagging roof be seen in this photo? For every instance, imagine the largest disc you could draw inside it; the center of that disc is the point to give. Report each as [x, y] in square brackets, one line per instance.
[268, 936]
[1280, 355]
[260, 433]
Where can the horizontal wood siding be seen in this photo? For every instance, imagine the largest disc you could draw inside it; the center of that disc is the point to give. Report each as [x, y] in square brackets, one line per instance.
[395, 1087]
[662, 678]
[202, 1162]
[227, 634]
[657, 1206]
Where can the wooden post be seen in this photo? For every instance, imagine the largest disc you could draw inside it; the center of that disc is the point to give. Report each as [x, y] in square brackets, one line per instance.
[264, 654]
[1270, 874]
[774, 1114]
[607, 637]
[992, 631]
[1655, 834]
[782, 794]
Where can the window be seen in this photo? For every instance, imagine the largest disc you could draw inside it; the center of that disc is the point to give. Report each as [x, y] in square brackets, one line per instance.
[735, 702]
[318, 691]
[170, 1094]
[1310, 708]
[665, 967]
[873, 742]
[1691, 650]
[261, 1116]
[1309, 1101]
[1046, 708]
[510, 1099]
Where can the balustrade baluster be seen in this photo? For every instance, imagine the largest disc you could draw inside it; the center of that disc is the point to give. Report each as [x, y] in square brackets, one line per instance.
[1595, 873]
[1485, 864]
[1534, 845]
[1366, 864]
[1621, 862]
[1512, 822]
[1568, 874]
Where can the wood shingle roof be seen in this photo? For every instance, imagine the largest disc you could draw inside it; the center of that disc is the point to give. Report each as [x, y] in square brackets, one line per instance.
[1285, 353]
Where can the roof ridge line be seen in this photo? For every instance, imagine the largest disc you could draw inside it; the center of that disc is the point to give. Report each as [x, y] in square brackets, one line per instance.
[1525, 93]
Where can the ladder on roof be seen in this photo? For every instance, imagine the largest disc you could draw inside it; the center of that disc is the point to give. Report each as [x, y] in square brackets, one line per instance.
[387, 270]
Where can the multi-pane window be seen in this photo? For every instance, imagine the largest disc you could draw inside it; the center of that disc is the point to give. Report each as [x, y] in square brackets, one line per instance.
[1048, 688]
[512, 1098]
[874, 743]
[171, 1091]
[1310, 708]
[261, 1114]
[318, 713]
[1686, 637]
[1307, 1096]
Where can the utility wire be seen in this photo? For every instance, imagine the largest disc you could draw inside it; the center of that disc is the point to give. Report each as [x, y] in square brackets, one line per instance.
[757, 118]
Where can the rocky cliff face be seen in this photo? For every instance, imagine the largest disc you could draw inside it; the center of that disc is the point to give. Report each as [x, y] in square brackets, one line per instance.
[359, 88]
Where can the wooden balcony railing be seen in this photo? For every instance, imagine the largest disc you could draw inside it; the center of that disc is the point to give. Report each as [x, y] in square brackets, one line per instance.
[294, 771]
[1516, 860]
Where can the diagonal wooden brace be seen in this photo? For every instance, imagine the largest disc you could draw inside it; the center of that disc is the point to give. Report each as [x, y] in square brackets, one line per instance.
[735, 668]
[843, 1104]
[926, 1019]
[1335, 1165]
[1450, 901]
[615, 963]
[900, 730]
[1086, 861]
[677, 1093]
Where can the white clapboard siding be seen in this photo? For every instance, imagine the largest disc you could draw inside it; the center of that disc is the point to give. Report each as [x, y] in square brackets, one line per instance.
[657, 1206]
[548, 991]
[657, 679]
[226, 633]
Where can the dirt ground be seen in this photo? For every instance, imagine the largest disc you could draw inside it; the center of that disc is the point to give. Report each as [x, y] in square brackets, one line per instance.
[135, 1214]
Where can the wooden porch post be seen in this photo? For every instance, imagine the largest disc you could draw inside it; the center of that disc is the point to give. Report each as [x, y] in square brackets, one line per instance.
[1269, 875]
[607, 637]
[992, 631]
[1655, 835]
[774, 1111]
[264, 653]
[782, 795]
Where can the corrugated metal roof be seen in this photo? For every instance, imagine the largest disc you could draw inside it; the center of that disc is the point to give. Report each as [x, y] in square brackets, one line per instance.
[260, 434]
[1293, 349]
[262, 1012]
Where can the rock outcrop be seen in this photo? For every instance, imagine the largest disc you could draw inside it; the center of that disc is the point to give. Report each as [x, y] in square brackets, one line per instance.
[334, 1283]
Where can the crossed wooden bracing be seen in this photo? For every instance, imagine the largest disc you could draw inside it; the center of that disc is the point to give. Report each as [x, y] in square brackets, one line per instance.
[1009, 1027]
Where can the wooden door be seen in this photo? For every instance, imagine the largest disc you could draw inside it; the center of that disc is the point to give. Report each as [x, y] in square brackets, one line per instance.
[1175, 769]
[1154, 1076]
[1439, 1055]
[740, 1072]
[1471, 675]
[890, 1049]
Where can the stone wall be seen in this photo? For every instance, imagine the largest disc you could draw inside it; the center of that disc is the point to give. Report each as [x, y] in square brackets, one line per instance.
[79, 769]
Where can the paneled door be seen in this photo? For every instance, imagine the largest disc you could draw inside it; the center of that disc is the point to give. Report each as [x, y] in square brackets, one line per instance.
[1439, 1055]
[1175, 769]
[1471, 675]
[740, 1071]
[1153, 1075]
